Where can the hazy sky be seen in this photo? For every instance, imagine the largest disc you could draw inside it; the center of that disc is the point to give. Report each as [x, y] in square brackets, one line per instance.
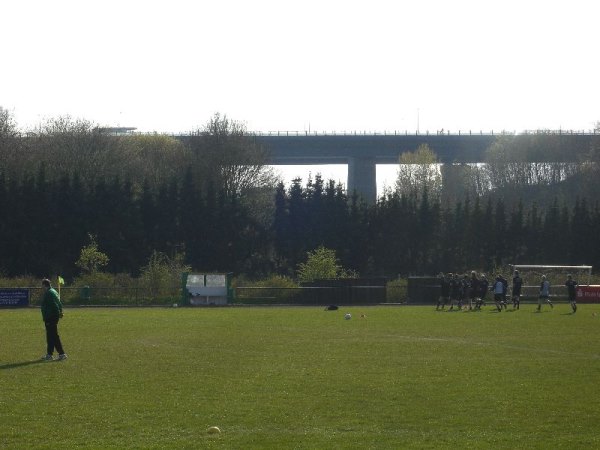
[327, 65]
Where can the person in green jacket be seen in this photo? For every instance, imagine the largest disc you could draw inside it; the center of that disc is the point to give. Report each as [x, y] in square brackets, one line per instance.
[51, 314]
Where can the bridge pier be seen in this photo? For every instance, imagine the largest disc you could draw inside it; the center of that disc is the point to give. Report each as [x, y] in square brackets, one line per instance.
[362, 178]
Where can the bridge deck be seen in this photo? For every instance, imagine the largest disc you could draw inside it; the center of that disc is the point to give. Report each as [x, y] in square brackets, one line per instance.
[386, 149]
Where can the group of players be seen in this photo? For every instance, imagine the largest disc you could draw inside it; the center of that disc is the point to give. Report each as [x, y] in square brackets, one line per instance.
[472, 291]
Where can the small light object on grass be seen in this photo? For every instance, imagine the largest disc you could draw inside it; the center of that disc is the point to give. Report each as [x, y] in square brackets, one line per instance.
[213, 430]
[175, 305]
[347, 316]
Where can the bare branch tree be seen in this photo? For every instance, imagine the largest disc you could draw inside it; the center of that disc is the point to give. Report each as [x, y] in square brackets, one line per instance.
[418, 171]
[10, 144]
[227, 156]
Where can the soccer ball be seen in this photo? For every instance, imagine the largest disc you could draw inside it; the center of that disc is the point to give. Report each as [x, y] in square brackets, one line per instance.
[348, 316]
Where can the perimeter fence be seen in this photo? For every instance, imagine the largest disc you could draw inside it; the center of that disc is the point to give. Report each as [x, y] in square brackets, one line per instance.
[117, 296]
[321, 295]
[243, 295]
[425, 292]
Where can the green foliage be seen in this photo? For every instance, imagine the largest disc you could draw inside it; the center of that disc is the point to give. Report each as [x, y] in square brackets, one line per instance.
[98, 280]
[276, 281]
[397, 290]
[91, 258]
[101, 288]
[322, 263]
[271, 290]
[49, 215]
[19, 282]
[537, 168]
[163, 274]
[418, 172]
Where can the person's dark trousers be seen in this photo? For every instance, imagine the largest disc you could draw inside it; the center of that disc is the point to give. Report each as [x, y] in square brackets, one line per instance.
[52, 338]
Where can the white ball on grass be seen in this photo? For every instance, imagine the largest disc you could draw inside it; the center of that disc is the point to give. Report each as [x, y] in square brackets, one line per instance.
[348, 316]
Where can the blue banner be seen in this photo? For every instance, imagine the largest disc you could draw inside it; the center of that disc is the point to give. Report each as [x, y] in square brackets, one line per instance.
[14, 297]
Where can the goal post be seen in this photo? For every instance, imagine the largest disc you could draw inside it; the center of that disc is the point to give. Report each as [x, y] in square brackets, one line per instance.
[555, 274]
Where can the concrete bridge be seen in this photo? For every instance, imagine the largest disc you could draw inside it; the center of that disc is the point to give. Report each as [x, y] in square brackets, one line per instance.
[363, 152]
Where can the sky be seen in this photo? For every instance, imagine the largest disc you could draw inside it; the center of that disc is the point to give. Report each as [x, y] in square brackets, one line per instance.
[386, 174]
[311, 65]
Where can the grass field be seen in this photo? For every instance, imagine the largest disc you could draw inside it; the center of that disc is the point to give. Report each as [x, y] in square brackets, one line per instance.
[299, 377]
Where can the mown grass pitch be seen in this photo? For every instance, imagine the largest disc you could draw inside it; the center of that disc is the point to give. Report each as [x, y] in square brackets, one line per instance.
[402, 377]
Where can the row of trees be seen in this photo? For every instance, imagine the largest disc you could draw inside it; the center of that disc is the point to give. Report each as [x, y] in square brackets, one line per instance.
[218, 153]
[46, 223]
[211, 198]
[418, 235]
[532, 168]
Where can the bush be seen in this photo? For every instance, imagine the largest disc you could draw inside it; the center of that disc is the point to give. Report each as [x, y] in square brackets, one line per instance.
[21, 282]
[100, 288]
[276, 281]
[396, 290]
[162, 275]
[322, 263]
[275, 289]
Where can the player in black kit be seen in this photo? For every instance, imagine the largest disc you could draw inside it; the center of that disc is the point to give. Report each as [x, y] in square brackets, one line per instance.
[484, 286]
[571, 285]
[455, 286]
[517, 284]
[464, 290]
[473, 290]
[445, 290]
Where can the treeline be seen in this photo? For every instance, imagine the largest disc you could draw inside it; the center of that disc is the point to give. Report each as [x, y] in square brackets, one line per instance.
[219, 152]
[413, 234]
[211, 197]
[45, 223]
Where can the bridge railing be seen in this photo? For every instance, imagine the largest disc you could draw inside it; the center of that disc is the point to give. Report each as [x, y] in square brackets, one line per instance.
[298, 133]
[295, 133]
[441, 132]
[424, 133]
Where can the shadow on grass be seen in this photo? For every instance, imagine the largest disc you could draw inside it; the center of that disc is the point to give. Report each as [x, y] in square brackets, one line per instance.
[21, 364]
